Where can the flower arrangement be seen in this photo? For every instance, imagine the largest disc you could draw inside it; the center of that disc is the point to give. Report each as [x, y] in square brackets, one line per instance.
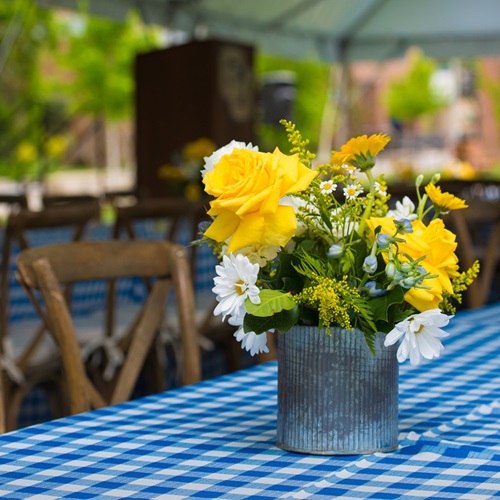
[184, 172]
[323, 247]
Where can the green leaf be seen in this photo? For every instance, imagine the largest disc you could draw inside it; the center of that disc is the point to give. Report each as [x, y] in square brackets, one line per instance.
[271, 302]
[325, 217]
[380, 305]
[370, 341]
[281, 321]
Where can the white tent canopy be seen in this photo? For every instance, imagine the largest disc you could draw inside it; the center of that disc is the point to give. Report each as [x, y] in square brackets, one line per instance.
[332, 30]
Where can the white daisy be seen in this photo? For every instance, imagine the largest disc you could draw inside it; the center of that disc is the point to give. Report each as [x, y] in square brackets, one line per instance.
[403, 210]
[214, 158]
[252, 342]
[353, 190]
[381, 189]
[350, 170]
[327, 187]
[421, 333]
[235, 282]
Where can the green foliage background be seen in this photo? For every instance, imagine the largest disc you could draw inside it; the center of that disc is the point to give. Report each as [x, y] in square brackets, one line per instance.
[311, 92]
[412, 96]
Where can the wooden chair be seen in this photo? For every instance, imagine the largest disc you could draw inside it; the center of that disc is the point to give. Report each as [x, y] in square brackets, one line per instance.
[23, 370]
[478, 235]
[48, 269]
[177, 214]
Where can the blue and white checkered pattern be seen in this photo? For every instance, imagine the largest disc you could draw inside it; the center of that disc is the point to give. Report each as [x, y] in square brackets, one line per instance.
[216, 439]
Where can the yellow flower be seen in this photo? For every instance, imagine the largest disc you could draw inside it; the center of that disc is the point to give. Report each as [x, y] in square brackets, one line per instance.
[435, 242]
[55, 147]
[197, 150]
[444, 201]
[170, 172]
[248, 186]
[26, 152]
[193, 191]
[364, 146]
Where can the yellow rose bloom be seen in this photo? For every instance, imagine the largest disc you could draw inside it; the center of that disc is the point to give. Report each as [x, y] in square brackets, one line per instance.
[360, 146]
[248, 186]
[444, 201]
[435, 242]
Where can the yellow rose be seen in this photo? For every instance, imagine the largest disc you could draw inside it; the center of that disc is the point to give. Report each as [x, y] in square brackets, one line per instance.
[438, 244]
[248, 186]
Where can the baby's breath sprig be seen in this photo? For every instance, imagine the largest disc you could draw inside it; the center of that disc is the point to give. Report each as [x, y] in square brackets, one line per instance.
[300, 145]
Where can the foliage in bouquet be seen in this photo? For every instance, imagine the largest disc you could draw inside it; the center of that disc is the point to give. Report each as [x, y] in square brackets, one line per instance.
[184, 173]
[320, 247]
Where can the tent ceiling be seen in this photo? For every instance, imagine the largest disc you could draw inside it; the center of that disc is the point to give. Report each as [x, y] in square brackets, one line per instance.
[329, 29]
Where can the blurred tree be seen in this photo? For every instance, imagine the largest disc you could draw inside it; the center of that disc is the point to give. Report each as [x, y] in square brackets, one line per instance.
[98, 55]
[311, 83]
[412, 96]
[25, 110]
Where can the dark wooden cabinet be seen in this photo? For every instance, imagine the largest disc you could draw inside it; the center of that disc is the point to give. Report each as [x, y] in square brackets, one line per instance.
[183, 93]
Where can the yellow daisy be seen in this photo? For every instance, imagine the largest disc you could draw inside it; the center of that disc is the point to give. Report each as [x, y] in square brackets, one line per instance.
[444, 201]
[364, 146]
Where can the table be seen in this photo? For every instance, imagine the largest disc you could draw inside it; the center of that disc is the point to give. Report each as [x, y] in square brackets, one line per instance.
[216, 439]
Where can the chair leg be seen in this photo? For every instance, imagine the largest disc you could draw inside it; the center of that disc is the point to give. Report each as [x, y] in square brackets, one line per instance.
[154, 368]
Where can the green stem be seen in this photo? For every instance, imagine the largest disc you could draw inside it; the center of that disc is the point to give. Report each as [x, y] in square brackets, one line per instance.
[369, 206]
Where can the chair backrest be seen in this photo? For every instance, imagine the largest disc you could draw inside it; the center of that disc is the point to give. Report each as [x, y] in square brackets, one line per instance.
[49, 268]
[76, 216]
[478, 235]
[178, 214]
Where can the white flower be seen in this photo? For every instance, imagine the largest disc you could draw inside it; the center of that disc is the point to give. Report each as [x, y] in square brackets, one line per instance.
[256, 254]
[342, 226]
[327, 187]
[420, 334]
[235, 282]
[381, 189]
[403, 210]
[353, 190]
[214, 158]
[350, 170]
[250, 341]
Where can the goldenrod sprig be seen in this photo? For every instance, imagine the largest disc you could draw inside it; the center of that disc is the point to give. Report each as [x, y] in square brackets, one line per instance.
[300, 145]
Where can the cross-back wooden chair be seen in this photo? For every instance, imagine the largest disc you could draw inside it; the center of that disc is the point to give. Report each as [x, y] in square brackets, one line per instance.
[48, 269]
[478, 234]
[179, 214]
[22, 370]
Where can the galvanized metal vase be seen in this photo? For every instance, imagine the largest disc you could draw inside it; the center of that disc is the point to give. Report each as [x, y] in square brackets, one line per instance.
[334, 396]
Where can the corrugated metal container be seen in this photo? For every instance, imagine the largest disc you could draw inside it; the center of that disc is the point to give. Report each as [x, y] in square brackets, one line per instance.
[334, 396]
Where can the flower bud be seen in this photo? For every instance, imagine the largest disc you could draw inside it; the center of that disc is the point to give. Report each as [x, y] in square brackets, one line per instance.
[373, 291]
[408, 282]
[419, 180]
[383, 240]
[406, 267]
[403, 226]
[336, 251]
[436, 178]
[370, 264]
[390, 270]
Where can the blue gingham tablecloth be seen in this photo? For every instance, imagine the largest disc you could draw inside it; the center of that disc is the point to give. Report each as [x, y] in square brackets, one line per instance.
[216, 439]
